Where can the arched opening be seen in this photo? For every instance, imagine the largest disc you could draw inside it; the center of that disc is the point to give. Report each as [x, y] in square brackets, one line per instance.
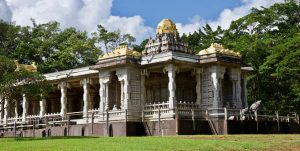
[44, 133]
[65, 131]
[156, 87]
[82, 131]
[186, 87]
[114, 96]
[110, 131]
[49, 132]
[227, 89]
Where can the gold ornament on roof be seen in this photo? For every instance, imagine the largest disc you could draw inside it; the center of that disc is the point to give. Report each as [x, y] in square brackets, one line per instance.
[122, 50]
[218, 48]
[30, 68]
[166, 26]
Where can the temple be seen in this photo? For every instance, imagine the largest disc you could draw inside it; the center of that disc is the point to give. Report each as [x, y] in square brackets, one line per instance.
[164, 90]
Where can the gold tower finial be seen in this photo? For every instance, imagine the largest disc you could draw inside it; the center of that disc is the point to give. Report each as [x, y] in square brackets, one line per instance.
[166, 26]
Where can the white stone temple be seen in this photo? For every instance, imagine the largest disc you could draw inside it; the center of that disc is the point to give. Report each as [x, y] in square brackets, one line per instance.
[165, 90]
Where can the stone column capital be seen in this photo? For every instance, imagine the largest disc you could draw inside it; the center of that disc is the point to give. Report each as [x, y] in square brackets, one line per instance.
[170, 68]
[62, 85]
[86, 81]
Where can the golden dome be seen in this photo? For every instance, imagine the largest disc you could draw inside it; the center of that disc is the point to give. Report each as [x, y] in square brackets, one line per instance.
[166, 26]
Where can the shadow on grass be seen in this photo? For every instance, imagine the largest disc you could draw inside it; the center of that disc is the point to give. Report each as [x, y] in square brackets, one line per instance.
[53, 137]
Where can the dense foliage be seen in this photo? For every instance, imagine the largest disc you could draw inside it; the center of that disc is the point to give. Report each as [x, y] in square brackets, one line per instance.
[269, 41]
[50, 47]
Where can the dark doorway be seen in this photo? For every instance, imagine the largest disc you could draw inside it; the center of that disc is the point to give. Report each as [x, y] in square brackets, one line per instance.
[49, 132]
[44, 133]
[82, 131]
[114, 95]
[110, 131]
[65, 131]
[227, 91]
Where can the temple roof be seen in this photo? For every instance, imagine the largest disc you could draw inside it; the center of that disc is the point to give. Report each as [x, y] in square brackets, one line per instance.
[219, 49]
[121, 50]
[166, 26]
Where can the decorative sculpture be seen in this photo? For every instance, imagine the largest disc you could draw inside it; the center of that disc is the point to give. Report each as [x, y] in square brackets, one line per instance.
[30, 68]
[253, 109]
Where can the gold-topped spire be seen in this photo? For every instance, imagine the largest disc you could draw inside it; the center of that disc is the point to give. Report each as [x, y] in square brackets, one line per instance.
[120, 51]
[166, 26]
[218, 48]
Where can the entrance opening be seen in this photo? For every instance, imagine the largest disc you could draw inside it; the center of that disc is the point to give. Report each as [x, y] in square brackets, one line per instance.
[44, 133]
[65, 131]
[156, 88]
[110, 131]
[82, 131]
[186, 87]
[49, 132]
[227, 89]
[114, 95]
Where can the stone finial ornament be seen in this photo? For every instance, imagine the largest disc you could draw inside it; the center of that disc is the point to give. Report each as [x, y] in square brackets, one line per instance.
[121, 50]
[218, 48]
[30, 68]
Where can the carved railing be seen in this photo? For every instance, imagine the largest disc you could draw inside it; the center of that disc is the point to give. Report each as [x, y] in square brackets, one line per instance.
[11, 120]
[187, 105]
[152, 109]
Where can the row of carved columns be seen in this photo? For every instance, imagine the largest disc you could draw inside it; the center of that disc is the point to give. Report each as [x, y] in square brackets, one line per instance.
[5, 104]
[104, 91]
[216, 75]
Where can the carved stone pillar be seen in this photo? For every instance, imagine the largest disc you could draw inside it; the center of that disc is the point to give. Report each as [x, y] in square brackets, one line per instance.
[86, 96]
[16, 108]
[245, 91]
[42, 106]
[101, 94]
[126, 92]
[124, 76]
[103, 81]
[198, 86]
[63, 99]
[144, 73]
[217, 76]
[122, 94]
[6, 105]
[236, 88]
[106, 96]
[171, 70]
[239, 91]
[25, 108]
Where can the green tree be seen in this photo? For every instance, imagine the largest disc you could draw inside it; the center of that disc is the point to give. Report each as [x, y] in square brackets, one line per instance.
[15, 83]
[268, 41]
[203, 38]
[50, 47]
[111, 40]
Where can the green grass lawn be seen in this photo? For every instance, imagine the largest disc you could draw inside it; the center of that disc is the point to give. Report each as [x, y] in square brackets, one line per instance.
[197, 142]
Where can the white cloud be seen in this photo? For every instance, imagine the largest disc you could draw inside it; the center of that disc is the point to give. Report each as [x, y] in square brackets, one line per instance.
[227, 15]
[82, 14]
[5, 13]
[87, 14]
[195, 23]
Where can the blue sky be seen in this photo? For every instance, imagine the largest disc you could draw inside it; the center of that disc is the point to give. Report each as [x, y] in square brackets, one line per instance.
[177, 10]
[136, 17]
